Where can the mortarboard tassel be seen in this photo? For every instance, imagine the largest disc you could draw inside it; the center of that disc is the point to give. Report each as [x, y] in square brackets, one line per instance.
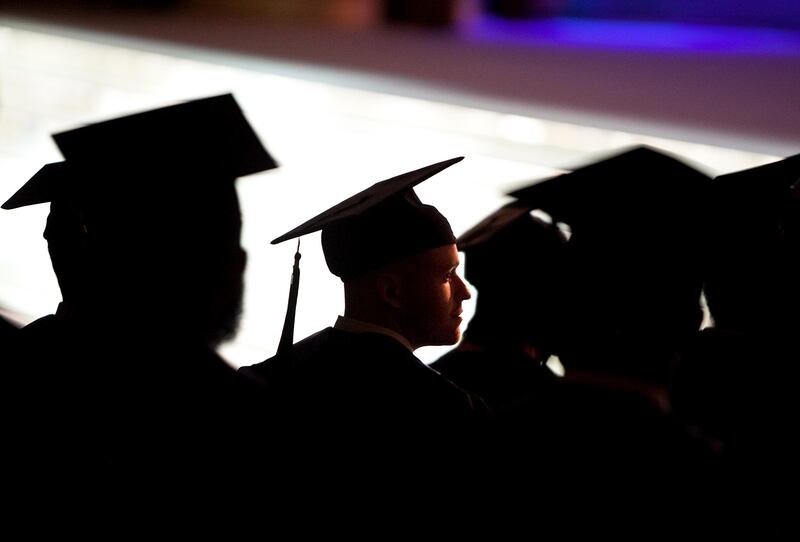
[287, 335]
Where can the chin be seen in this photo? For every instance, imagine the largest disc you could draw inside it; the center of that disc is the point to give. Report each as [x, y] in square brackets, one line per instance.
[444, 337]
[451, 338]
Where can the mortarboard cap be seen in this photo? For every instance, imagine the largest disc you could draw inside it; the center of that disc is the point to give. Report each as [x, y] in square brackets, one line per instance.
[50, 183]
[752, 283]
[208, 133]
[493, 225]
[639, 185]
[783, 173]
[757, 207]
[379, 225]
[757, 203]
[765, 185]
[208, 136]
[509, 240]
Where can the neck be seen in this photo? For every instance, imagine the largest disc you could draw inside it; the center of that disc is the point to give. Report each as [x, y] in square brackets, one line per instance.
[354, 325]
[372, 317]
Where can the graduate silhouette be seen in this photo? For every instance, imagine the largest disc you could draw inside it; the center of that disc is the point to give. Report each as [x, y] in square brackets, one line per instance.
[123, 382]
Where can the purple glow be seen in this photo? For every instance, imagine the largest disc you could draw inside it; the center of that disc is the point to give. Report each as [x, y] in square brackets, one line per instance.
[636, 35]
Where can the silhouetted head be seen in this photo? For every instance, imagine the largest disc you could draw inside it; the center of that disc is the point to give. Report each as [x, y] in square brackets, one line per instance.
[635, 254]
[515, 261]
[396, 257]
[145, 220]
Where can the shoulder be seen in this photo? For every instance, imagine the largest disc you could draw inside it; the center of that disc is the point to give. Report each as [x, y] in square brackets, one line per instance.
[457, 361]
[46, 341]
[45, 324]
[354, 348]
[309, 345]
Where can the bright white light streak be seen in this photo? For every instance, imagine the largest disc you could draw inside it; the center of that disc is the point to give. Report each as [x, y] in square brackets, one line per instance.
[522, 129]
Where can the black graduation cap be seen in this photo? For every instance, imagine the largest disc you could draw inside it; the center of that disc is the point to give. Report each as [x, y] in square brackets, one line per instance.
[777, 175]
[638, 185]
[492, 225]
[509, 240]
[757, 207]
[209, 136]
[752, 283]
[381, 224]
[763, 187]
[50, 183]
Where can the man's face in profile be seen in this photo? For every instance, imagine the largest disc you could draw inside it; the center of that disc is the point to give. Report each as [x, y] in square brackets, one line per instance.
[432, 293]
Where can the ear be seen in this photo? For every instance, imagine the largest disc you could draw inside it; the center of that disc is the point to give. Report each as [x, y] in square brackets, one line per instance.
[389, 289]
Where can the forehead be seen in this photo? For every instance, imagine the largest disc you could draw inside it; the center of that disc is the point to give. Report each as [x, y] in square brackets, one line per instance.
[442, 257]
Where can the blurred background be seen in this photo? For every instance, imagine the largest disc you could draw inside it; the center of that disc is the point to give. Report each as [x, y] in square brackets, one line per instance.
[345, 93]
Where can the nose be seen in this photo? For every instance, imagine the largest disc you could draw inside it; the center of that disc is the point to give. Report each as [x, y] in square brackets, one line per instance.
[463, 288]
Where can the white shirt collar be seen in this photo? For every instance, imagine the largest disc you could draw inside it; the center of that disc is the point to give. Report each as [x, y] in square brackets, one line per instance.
[359, 326]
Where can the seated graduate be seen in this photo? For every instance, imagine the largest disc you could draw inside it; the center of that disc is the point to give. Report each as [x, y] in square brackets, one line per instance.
[123, 382]
[752, 292]
[514, 260]
[737, 382]
[397, 259]
[631, 301]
